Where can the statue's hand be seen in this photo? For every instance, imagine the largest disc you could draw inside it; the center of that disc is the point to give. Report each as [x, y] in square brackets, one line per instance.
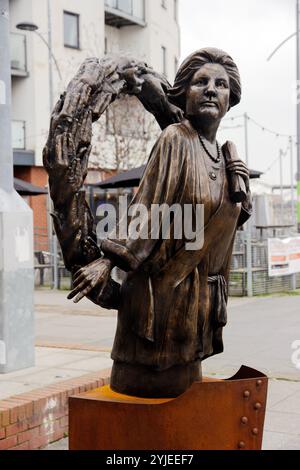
[71, 163]
[154, 97]
[66, 156]
[86, 279]
[238, 167]
[176, 114]
[68, 168]
[133, 81]
[70, 133]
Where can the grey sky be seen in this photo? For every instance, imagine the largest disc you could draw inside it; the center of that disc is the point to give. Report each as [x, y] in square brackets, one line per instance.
[249, 30]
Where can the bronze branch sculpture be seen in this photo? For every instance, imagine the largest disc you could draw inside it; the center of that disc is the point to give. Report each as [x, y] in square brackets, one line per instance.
[172, 304]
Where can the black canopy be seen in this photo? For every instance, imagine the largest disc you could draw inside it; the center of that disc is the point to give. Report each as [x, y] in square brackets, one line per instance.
[28, 189]
[126, 179]
[255, 175]
[132, 178]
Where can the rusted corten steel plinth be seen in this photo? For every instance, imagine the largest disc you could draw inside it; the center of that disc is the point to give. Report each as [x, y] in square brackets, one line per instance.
[211, 415]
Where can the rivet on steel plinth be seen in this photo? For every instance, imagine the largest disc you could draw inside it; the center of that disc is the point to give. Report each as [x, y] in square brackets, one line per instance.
[242, 445]
[255, 431]
[244, 420]
[257, 406]
[259, 383]
[247, 394]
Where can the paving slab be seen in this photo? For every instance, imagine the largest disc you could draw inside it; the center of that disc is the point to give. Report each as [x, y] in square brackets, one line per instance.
[53, 366]
[76, 339]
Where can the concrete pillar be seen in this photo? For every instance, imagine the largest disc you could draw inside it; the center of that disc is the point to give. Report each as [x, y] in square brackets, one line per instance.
[16, 236]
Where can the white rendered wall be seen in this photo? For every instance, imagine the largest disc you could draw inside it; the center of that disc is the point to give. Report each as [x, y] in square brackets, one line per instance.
[23, 88]
[146, 43]
[31, 95]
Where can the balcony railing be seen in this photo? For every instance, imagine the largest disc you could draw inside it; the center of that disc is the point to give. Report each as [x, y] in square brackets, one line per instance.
[120, 13]
[18, 54]
[18, 135]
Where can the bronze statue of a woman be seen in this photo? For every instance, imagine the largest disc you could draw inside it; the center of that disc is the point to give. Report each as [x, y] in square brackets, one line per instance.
[172, 303]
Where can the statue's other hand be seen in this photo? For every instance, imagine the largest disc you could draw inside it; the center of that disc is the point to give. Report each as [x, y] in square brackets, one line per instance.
[176, 114]
[239, 168]
[154, 97]
[93, 275]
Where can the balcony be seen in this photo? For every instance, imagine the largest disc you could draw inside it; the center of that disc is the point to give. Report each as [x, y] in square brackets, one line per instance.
[18, 60]
[22, 157]
[18, 135]
[119, 13]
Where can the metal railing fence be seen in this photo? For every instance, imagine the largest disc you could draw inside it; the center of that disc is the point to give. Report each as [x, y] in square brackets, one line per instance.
[263, 284]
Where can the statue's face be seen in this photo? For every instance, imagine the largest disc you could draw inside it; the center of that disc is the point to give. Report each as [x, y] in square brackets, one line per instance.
[208, 93]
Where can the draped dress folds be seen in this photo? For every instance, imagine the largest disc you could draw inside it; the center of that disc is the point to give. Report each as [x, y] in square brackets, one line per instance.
[173, 301]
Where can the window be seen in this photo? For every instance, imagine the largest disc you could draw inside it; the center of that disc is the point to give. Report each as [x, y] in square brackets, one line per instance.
[71, 30]
[18, 52]
[164, 60]
[18, 135]
[138, 9]
[126, 6]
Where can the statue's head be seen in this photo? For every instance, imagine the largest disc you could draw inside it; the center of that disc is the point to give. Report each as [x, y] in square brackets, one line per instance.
[207, 84]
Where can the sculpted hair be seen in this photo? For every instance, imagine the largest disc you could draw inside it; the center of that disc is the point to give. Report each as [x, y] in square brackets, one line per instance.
[177, 94]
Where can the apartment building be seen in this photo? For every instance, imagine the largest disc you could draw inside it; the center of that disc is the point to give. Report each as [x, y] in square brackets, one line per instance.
[147, 29]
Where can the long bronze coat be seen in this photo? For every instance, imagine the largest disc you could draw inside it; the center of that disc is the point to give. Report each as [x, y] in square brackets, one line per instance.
[173, 301]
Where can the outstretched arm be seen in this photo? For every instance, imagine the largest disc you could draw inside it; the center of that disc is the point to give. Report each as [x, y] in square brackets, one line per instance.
[95, 86]
[66, 160]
